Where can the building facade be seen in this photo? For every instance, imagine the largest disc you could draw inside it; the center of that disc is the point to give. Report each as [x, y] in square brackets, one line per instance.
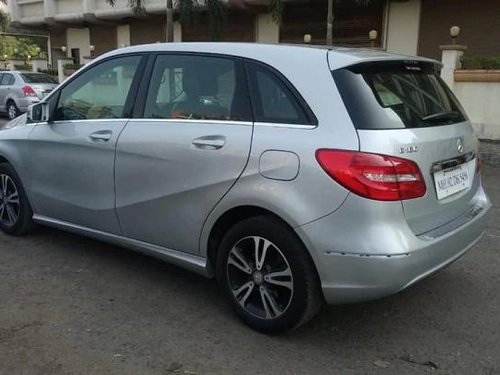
[88, 28]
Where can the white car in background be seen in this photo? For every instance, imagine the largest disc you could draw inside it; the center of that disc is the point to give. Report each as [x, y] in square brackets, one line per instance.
[19, 90]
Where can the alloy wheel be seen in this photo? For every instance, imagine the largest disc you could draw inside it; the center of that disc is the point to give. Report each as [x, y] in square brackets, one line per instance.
[12, 111]
[260, 277]
[9, 201]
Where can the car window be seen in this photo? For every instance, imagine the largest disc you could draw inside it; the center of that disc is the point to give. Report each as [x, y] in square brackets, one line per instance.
[38, 78]
[396, 95]
[273, 101]
[1, 77]
[99, 92]
[7, 79]
[197, 87]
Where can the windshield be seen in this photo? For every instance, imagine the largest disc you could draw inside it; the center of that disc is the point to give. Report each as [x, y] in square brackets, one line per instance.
[395, 95]
[38, 78]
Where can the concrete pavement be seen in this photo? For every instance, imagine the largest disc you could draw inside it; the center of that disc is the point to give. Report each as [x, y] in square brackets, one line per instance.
[71, 305]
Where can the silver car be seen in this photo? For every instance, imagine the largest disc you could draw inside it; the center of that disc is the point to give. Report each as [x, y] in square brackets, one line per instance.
[294, 175]
[19, 90]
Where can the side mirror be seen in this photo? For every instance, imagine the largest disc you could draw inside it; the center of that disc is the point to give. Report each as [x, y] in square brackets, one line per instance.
[38, 112]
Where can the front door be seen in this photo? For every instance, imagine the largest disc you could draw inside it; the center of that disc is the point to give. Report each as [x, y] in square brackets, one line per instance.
[72, 157]
[185, 151]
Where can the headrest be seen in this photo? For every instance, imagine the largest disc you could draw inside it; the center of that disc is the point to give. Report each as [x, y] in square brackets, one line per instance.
[199, 82]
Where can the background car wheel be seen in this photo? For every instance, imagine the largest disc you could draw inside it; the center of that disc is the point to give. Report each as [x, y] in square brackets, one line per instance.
[267, 275]
[15, 210]
[12, 111]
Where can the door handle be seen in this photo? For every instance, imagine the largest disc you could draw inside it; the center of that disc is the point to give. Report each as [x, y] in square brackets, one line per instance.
[101, 136]
[210, 142]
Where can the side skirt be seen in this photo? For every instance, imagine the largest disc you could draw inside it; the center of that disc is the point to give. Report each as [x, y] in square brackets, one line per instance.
[188, 261]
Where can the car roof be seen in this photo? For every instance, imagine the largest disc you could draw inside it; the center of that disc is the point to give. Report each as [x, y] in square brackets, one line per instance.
[338, 57]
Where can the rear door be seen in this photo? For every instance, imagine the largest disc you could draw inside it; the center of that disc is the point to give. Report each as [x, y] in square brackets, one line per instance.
[185, 148]
[404, 109]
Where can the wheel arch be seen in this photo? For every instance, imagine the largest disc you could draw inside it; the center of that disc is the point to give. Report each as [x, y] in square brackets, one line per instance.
[9, 99]
[230, 218]
[7, 160]
[3, 159]
[12, 155]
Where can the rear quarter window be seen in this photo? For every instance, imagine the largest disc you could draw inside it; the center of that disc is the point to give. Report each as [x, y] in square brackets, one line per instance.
[274, 98]
[397, 95]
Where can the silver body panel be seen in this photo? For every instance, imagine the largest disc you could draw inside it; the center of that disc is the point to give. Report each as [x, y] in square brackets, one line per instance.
[163, 177]
[72, 175]
[159, 186]
[190, 262]
[434, 144]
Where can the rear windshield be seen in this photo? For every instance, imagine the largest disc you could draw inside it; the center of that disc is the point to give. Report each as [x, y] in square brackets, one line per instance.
[397, 95]
[38, 78]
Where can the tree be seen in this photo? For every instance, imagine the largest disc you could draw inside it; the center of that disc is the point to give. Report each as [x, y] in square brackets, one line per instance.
[4, 19]
[20, 48]
[216, 13]
[330, 16]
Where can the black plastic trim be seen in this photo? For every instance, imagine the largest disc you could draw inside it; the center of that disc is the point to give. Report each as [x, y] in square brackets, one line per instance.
[298, 101]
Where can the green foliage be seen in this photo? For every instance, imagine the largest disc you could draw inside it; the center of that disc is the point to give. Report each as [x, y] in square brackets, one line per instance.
[276, 10]
[186, 14]
[471, 62]
[20, 48]
[136, 5]
[217, 12]
[24, 67]
[4, 21]
[49, 71]
[72, 66]
[216, 15]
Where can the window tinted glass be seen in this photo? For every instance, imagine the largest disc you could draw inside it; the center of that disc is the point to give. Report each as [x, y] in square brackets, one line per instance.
[7, 79]
[38, 78]
[197, 87]
[397, 95]
[273, 100]
[99, 92]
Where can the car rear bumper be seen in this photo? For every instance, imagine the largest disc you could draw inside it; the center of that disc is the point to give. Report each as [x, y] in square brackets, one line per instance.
[24, 103]
[392, 256]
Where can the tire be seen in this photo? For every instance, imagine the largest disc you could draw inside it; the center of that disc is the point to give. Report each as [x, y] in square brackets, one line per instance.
[16, 215]
[250, 284]
[12, 110]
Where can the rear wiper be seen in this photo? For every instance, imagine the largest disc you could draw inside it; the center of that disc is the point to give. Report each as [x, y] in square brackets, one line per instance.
[442, 116]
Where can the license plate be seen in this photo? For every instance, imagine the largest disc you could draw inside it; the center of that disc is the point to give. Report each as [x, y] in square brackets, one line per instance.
[451, 181]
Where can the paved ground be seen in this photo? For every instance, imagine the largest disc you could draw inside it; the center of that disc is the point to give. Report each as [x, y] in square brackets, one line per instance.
[70, 305]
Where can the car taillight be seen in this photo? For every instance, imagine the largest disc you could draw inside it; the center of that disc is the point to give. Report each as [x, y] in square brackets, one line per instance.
[373, 176]
[28, 91]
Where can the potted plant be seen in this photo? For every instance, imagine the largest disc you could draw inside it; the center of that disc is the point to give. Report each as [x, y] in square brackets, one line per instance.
[69, 69]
